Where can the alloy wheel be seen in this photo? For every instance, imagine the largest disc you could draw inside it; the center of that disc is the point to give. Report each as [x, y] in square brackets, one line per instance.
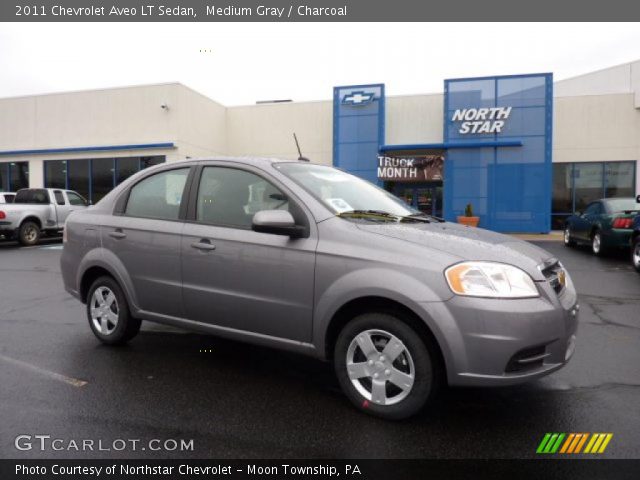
[30, 234]
[380, 367]
[104, 310]
[596, 243]
[636, 255]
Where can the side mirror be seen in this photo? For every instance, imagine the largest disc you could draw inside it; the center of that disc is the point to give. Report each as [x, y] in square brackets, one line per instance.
[276, 222]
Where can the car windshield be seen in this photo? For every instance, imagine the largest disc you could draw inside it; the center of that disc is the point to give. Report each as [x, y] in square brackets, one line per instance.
[622, 204]
[346, 194]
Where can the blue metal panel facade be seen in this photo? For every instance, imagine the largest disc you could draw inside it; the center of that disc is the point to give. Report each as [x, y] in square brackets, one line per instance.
[358, 128]
[509, 187]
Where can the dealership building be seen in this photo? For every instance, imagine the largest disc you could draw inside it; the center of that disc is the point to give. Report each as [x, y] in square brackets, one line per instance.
[523, 150]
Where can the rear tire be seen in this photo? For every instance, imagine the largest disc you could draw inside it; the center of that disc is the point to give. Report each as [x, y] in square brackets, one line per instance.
[384, 367]
[568, 240]
[108, 313]
[596, 243]
[29, 234]
[635, 253]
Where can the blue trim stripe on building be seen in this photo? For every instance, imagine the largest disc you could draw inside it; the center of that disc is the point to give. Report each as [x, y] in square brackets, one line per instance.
[105, 148]
[449, 145]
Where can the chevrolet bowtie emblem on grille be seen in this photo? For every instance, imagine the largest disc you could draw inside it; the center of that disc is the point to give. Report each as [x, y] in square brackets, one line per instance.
[358, 98]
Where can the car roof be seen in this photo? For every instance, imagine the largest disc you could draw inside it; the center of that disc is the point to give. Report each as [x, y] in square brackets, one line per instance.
[245, 160]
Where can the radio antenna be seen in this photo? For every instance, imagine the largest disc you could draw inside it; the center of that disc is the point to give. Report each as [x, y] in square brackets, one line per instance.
[300, 157]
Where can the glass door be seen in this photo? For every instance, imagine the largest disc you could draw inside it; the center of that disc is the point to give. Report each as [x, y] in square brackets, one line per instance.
[427, 199]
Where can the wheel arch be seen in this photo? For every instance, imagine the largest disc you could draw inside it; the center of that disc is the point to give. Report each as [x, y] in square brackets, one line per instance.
[31, 218]
[100, 262]
[379, 304]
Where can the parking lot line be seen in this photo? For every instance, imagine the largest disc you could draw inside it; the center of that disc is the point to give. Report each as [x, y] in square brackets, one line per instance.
[53, 375]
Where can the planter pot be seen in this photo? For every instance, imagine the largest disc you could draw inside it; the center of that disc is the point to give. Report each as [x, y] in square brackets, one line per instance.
[469, 221]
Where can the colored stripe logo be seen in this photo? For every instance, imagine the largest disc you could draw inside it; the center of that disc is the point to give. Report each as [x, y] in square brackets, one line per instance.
[573, 443]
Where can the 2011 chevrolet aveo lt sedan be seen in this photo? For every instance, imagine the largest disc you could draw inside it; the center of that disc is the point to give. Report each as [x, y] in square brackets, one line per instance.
[310, 259]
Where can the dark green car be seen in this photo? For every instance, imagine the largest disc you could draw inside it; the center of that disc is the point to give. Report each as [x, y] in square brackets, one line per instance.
[605, 224]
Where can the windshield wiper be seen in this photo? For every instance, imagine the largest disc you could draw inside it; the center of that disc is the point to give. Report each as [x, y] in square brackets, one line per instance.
[369, 213]
[382, 213]
[426, 215]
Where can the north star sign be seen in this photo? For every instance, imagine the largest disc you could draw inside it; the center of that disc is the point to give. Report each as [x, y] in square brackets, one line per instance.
[481, 120]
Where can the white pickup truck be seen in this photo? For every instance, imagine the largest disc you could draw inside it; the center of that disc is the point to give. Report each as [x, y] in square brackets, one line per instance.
[38, 211]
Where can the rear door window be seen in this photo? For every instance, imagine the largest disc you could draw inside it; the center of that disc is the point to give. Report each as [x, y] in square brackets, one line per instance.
[59, 197]
[158, 196]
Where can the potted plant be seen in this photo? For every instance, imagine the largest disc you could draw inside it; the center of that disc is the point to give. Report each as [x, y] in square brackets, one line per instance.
[468, 219]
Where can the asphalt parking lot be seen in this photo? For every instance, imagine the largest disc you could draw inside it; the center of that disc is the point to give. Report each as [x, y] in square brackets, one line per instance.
[241, 401]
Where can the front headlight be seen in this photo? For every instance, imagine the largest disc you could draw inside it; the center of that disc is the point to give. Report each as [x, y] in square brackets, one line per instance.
[489, 279]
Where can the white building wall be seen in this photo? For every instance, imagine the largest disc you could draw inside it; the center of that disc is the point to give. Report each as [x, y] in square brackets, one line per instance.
[267, 130]
[618, 79]
[596, 128]
[201, 124]
[414, 119]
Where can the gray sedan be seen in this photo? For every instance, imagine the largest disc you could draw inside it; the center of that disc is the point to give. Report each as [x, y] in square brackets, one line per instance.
[310, 259]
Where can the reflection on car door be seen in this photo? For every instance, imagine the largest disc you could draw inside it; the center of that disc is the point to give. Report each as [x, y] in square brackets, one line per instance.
[146, 240]
[237, 278]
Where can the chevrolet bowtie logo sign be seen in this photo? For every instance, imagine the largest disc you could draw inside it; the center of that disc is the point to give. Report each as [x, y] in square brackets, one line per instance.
[358, 98]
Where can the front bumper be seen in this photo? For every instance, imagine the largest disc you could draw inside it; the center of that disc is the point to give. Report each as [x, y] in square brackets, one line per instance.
[490, 342]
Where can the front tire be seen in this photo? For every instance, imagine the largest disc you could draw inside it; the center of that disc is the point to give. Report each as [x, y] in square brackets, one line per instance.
[108, 313]
[635, 253]
[568, 240]
[384, 367]
[29, 234]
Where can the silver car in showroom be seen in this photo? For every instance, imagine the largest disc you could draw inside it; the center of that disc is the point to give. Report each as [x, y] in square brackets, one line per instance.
[310, 259]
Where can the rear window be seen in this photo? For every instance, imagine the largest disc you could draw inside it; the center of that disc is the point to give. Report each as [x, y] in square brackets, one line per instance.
[37, 196]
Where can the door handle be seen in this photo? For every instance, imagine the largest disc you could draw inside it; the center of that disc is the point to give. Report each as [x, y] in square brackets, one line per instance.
[204, 244]
[117, 234]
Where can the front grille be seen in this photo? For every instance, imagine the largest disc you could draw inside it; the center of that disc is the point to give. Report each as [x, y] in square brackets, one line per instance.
[551, 273]
[527, 359]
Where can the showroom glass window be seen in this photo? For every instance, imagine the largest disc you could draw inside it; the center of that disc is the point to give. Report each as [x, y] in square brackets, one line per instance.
[55, 173]
[101, 178]
[575, 185]
[230, 197]
[620, 179]
[78, 177]
[14, 176]
[588, 182]
[158, 196]
[94, 178]
[125, 167]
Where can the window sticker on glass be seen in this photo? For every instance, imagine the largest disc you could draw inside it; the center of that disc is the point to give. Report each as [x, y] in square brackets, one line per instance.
[339, 205]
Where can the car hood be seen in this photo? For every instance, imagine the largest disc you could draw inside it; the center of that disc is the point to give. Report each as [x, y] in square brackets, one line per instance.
[468, 243]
